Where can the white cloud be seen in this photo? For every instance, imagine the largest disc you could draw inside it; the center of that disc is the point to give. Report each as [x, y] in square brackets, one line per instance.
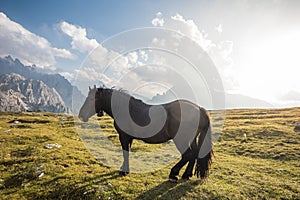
[68, 75]
[158, 14]
[28, 47]
[219, 28]
[63, 53]
[158, 20]
[133, 57]
[105, 66]
[78, 34]
[89, 76]
[159, 42]
[219, 51]
[189, 28]
[221, 54]
[143, 55]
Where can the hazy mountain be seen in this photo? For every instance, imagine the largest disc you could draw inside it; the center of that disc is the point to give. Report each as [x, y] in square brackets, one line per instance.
[20, 94]
[231, 101]
[291, 96]
[67, 92]
[242, 101]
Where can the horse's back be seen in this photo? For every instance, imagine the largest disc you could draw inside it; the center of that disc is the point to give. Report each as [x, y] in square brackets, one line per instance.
[183, 110]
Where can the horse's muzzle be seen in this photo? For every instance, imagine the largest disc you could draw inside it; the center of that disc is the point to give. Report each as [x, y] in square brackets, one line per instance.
[83, 119]
[100, 114]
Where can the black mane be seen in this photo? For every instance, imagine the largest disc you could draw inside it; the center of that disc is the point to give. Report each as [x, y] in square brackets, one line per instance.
[123, 92]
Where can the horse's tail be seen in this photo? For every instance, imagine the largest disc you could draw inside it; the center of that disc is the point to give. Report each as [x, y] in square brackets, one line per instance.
[205, 150]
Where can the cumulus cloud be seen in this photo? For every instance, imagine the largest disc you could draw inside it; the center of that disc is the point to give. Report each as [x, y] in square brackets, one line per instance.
[189, 28]
[104, 66]
[143, 55]
[30, 48]
[219, 28]
[68, 75]
[78, 34]
[133, 57]
[141, 67]
[219, 51]
[158, 20]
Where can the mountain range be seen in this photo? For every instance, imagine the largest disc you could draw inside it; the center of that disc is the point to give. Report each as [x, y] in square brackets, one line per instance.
[20, 94]
[69, 94]
[232, 101]
[26, 88]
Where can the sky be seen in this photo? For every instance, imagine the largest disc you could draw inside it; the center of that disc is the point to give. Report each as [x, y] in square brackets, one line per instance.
[254, 44]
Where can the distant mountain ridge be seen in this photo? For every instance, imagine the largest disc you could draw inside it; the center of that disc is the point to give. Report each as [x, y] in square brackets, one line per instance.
[20, 94]
[243, 101]
[71, 96]
[232, 101]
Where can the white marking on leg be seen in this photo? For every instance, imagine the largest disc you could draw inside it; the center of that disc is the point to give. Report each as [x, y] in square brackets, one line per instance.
[125, 165]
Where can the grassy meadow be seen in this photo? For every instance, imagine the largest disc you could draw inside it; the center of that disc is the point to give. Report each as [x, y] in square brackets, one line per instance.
[257, 156]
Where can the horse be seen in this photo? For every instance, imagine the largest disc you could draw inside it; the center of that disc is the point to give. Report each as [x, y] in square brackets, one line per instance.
[182, 121]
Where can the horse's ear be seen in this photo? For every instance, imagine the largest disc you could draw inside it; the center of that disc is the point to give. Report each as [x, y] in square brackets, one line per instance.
[94, 86]
[90, 88]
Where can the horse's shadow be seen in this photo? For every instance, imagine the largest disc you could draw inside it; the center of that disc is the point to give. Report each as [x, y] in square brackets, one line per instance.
[168, 190]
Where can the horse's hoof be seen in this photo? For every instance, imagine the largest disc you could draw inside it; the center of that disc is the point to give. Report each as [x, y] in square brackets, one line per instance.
[185, 177]
[173, 179]
[123, 173]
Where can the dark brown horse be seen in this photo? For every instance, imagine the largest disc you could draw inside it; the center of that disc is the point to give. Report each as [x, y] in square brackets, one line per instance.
[184, 122]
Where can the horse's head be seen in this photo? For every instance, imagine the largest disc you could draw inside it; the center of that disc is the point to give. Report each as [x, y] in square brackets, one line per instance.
[88, 108]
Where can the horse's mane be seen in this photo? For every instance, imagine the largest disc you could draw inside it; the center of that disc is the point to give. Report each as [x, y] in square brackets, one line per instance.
[123, 92]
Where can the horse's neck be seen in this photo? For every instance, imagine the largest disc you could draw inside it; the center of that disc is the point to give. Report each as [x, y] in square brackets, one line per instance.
[120, 97]
[107, 105]
[107, 100]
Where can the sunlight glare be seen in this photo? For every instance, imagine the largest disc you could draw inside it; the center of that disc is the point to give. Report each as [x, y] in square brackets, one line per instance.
[272, 67]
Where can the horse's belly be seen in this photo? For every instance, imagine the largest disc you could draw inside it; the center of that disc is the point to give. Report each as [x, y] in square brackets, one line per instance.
[157, 139]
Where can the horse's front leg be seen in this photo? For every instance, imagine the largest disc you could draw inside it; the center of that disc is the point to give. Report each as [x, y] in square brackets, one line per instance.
[124, 170]
[126, 142]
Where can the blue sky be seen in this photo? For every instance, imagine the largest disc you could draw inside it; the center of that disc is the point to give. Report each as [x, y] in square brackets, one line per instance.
[253, 43]
[105, 17]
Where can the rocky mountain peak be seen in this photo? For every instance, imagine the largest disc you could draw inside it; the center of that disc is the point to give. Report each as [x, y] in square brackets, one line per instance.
[70, 95]
[11, 78]
[20, 94]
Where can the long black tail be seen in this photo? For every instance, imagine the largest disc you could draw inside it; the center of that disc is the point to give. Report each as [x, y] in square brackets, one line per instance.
[205, 152]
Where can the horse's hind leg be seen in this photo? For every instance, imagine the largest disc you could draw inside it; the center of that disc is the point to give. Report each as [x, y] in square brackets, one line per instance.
[175, 170]
[189, 169]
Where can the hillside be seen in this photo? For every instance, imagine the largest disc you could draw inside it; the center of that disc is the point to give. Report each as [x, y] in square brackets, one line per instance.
[256, 157]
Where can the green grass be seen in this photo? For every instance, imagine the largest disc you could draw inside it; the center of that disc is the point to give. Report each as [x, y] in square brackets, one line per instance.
[264, 165]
